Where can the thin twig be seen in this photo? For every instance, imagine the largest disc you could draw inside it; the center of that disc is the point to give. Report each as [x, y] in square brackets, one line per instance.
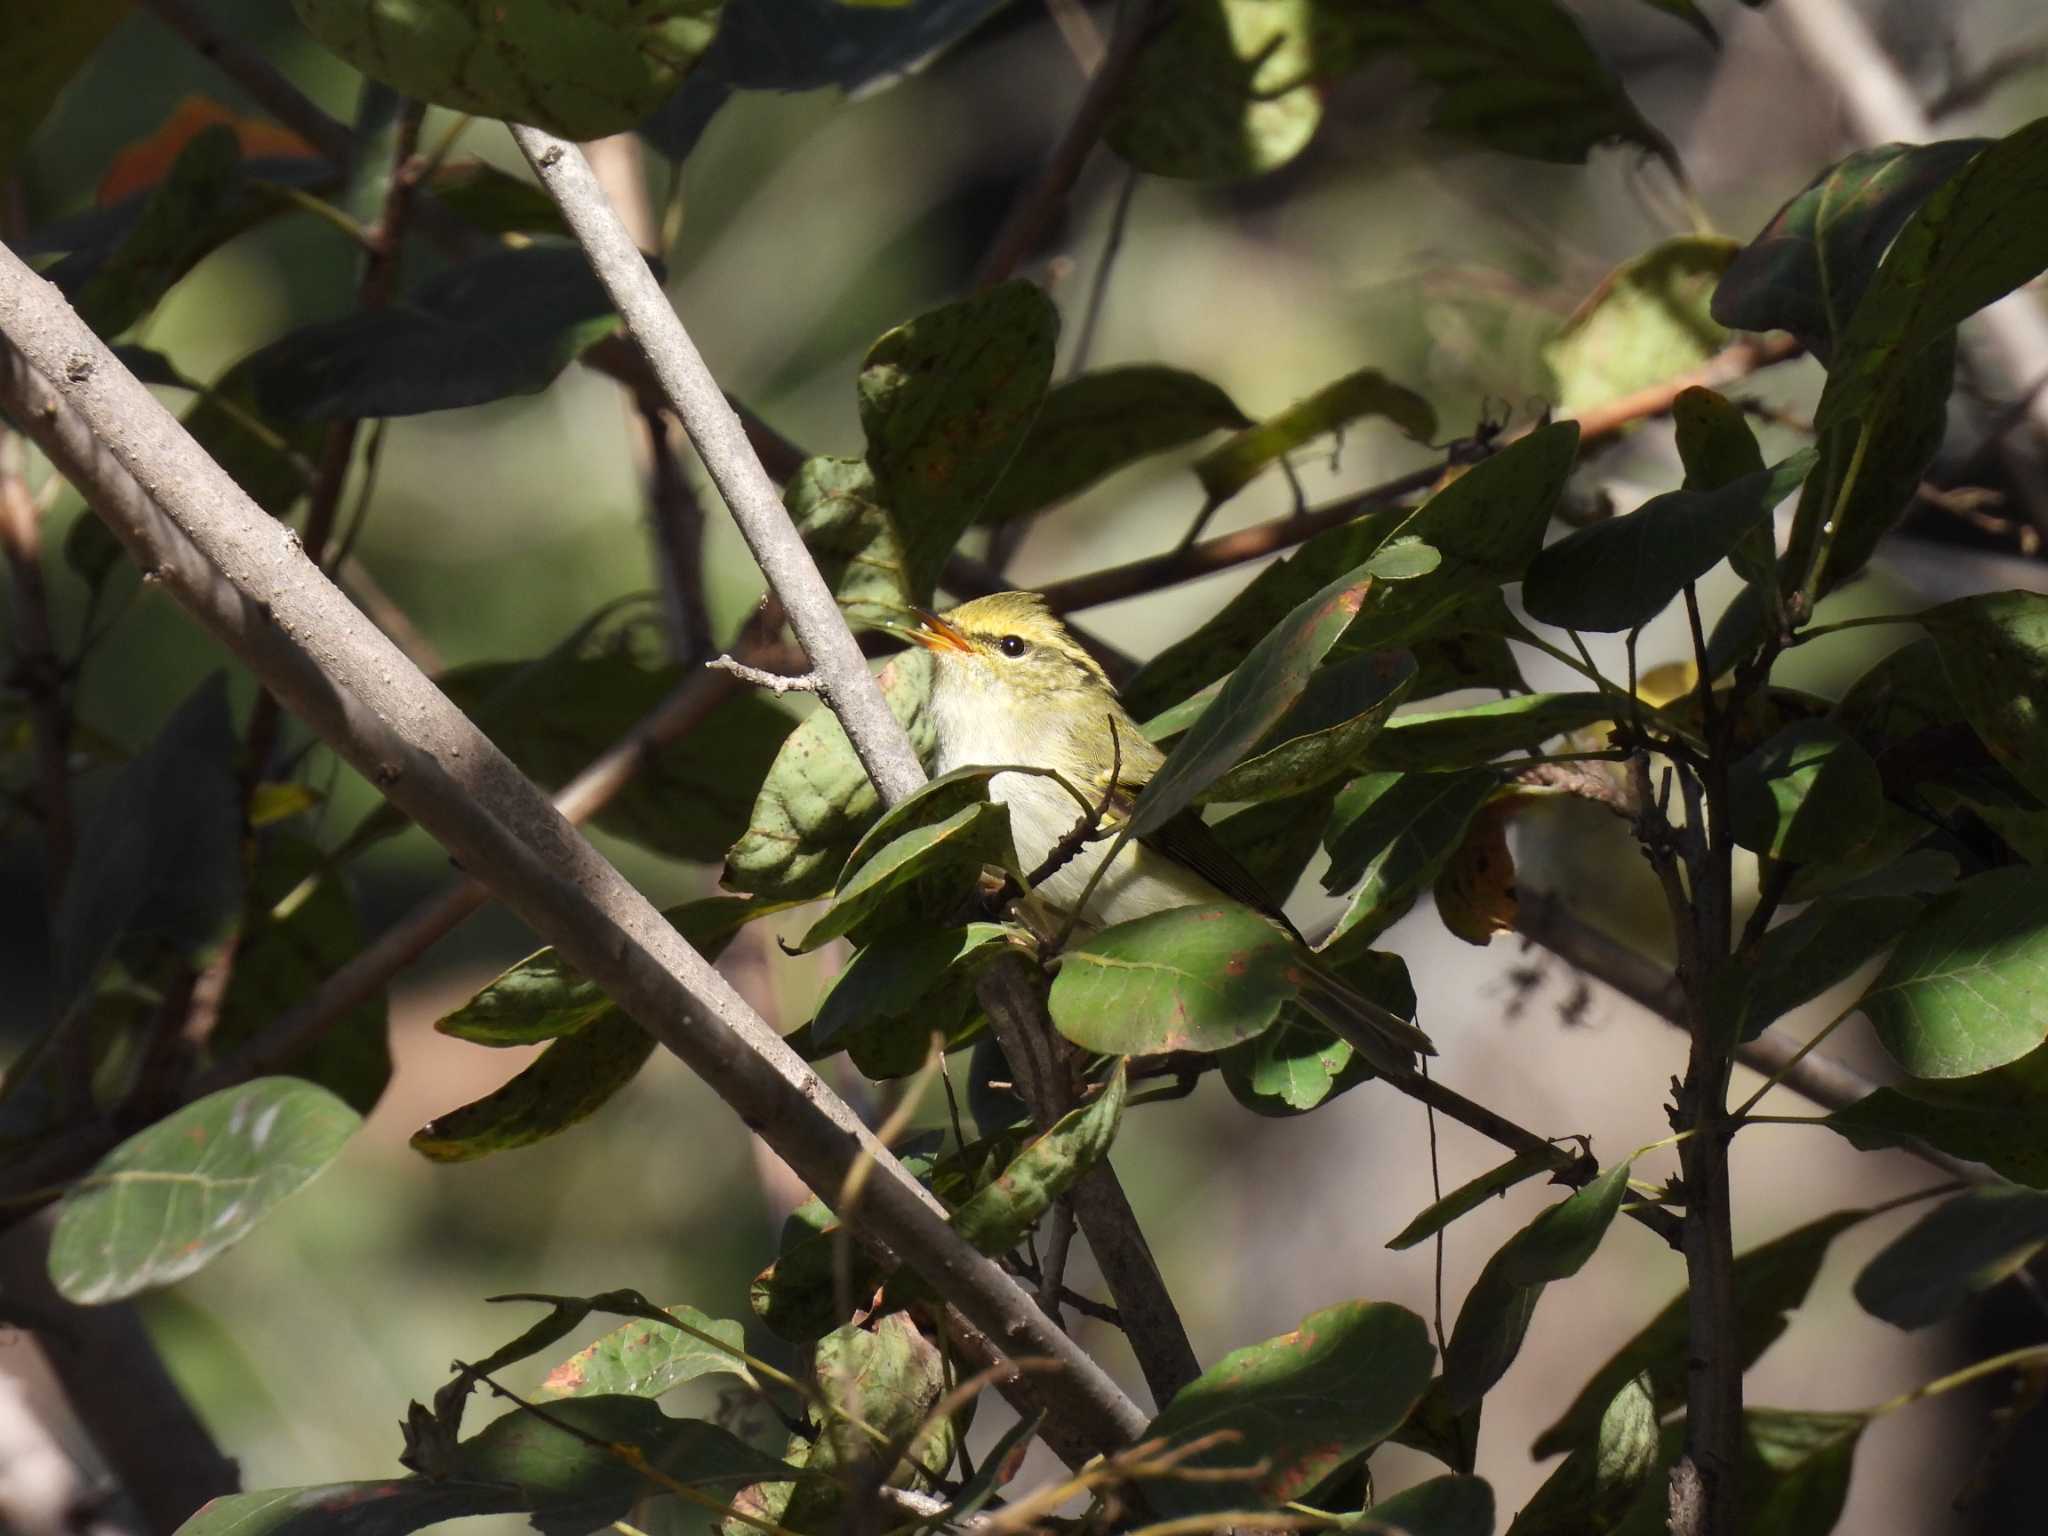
[1039, 203]
[1596, 427]
[779, 682]
[1969, 90]
[242, 575]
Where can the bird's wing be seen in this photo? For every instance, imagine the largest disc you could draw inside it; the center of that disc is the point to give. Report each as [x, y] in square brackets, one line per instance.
[1187, 840]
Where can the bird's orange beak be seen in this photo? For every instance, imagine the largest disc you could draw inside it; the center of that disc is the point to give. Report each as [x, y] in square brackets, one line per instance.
[935, 634]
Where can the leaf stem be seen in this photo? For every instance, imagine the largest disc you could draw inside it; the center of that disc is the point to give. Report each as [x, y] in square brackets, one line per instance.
[2012, 1359]
[1741, 1115]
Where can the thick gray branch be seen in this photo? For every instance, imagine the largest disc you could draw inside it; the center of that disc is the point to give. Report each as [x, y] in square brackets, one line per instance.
[242, 574]
[721, 442]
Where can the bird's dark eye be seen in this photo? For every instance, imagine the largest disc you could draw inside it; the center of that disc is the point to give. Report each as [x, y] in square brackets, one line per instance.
[1013, 646]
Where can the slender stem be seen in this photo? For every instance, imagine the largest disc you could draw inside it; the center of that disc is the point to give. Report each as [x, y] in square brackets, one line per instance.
[1780, 1074]
[1824, 540]
[1814, 632]
[2012, 1359]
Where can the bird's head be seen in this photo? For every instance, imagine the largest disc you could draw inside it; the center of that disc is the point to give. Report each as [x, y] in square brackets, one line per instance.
[1008, 646]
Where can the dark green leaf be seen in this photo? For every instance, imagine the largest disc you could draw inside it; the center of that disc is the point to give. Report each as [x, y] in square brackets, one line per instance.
[1807, 270]
[1771, 1282]
[1911, 423]
[1002, 1211]
[165, 1202]
[495, 200]
[1221, 92]
[1275, 839]
[1303, 1404]
[816, 798]
[1964, 991]
[1645, 322]
[1328, 732]
[91, 550]
[271, 461]
[1620, 573]
[303, 928]
[1808, 794]
[578, 68]
[501, 324]
[159, 861]
[1443, 1506]
[2014, 1144]
[1390, 837]
[1467, 738]
[1496, 1313]
[1470, 1196]
[1994, 652]
[1794, 1474]
[1714, 440]
[1094, 425]
[569, 1081]
[1187, 979]
[391, 1507]
[1590, 1493]
[647, 1358]
[1978, 236]
[915, 973]
[1256, 697]
[1798, 960]
[1517, 76]
[1230, 466]
[1955, 1251]
[946, 402]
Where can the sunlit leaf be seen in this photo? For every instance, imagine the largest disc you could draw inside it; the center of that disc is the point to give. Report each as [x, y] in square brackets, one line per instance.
[1328, 732]
[1300, 1063]
[1001, 1212]
[647, 1358]
[1187, 979]
[1304, 1404]
[568, 1082]
[1645, 322]
[1444, 740]
[1592, 1490]
[167, 1201]
[1966, 989]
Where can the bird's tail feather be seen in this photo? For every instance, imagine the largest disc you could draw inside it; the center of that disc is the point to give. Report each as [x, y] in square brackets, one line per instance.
[1388, 1042]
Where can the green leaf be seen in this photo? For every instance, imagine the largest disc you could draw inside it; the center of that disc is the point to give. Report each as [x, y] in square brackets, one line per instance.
[1994, 653]
[946, 402]
[1254, 700]
[159, 862]
[1233, 464]
[1468, 738]
[1002, 1211]
[269, 460]
[165, 1202]
[1645, 322]
[302, 928]
[1620, 573]
[1771, 1282]
[1300, 1063]
[501, 324]
[1957, 1250]
[48, 42]
[1714, 440]
[1326, 734]
[1094, 425]
[1517, 76]
[1590, 1493]
[1977, 237]
[1390, 837]
[647, 1358]
[1806, 271]
[1495, 1317]
[838, 509]
[1276, 839]
[1470, 1196]
[1187, 979]
[568, 1082]
[1965, 990]
[1798, 960]
[1303, 1404]
[496, 201]
[816, 799]
[579, 68]
[1442, 1506]
[390, 1507]
[915, 973]
[1221, 92]
[1807, 795]
[959, 845]
[2015, 1145]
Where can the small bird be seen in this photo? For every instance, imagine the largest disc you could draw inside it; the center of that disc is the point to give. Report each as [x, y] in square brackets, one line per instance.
[1010, 685]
